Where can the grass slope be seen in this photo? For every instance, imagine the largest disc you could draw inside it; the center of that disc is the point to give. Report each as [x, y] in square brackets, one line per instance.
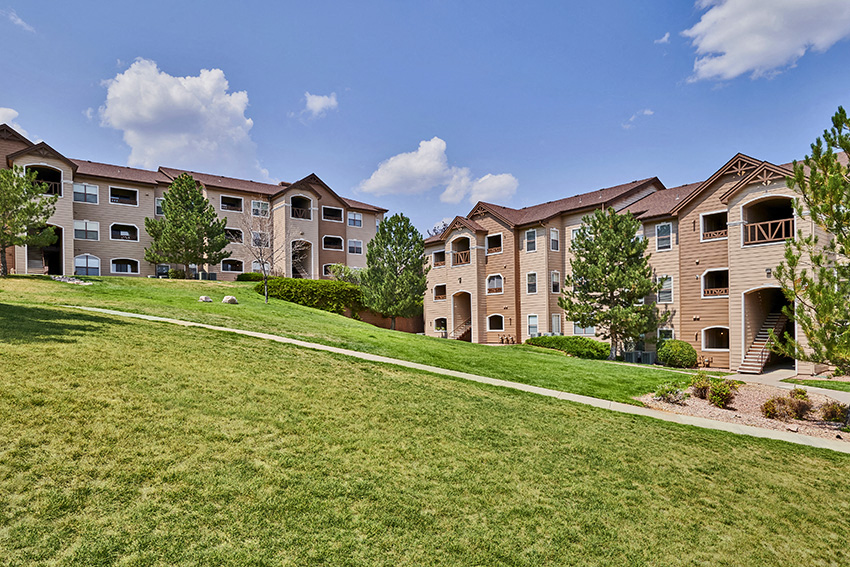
[827, 384]
[149, 444]
[171, 298]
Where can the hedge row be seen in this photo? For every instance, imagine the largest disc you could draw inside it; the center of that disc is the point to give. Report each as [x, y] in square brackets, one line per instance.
[582, 347]
[249, 277]
[329, 295]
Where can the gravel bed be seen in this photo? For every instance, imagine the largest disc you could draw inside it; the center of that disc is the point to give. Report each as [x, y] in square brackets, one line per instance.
[746, 409]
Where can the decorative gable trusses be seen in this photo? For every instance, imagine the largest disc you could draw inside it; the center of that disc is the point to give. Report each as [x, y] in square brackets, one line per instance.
[740, 165]
[8, 133]
[43, 151]
[461, 223]
[765, 174]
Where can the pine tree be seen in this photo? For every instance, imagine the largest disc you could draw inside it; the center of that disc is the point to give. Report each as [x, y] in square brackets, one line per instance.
[815, 275]
[190, 232]
[394, 283]
[24, 210]
[610, 279]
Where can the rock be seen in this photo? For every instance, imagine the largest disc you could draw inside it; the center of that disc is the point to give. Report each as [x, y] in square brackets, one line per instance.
[205, 299]
[792, 428]
[229, 299]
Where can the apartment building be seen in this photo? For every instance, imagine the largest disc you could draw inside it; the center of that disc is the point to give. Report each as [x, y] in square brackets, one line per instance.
[497, 273]
[101, 210]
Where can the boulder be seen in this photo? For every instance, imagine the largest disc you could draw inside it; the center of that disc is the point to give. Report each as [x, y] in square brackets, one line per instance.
[229, 299]
[205, 299]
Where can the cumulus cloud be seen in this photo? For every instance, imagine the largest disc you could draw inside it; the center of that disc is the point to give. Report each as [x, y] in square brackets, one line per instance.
[428, 168]
[628, 124]
[664, 39]
[7, 116]
[186, 122]
[763, 37]
[318, 105]
[15, 19]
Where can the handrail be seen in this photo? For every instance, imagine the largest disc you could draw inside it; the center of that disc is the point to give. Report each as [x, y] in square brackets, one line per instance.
[461, 329]
[764, 353]
[768, 231]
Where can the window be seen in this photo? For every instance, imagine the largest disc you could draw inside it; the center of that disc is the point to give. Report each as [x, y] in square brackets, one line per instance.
[531, 240]
[120, 196]
[556, 282]
[532, 325]
[125, 266]
[124, 232]
[664, 236]
[332, 243]
[439, 292]
[231, 204]
[495, 323]
[85, 193]
[715, 338]
[494, 244]
[259, 209]
[355, 247]
[326, 270]
[494, 284]
[440, 324]
[301, 208]
[554, 239]
[332, 214]
[531, 282]
[715, 283]
[556, 324]
[575, 232]
[439, 259]
[665, 334]
[665, 294]
[355, 219]
[49, 177]
[233, 235]
[714, 226]
[86, 230]
[86, 265]
[260, 239]
[257, 266]
[579, 330]
[157, 206]
[231, 265]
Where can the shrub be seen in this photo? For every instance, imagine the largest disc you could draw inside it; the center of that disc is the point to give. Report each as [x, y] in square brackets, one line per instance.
[785, 408]
[799, 394]
[722, 392]
[678, 354]
[249, 277]
[176, 274]
[328, 295]
[671, 393]
[581, 347]
[701, 384]
[834, 411]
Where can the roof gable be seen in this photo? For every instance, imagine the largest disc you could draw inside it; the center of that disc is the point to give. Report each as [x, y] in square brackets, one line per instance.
[44, 151]
[7, 133]
[740, 165]
[765, 174]
[460, 223]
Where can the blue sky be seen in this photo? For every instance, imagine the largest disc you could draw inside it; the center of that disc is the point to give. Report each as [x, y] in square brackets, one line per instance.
[425, 107]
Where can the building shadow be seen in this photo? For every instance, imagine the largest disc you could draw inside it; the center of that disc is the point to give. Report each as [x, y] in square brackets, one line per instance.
[28, 324]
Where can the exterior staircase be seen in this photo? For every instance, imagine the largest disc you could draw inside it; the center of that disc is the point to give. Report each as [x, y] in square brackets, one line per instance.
[759, 352]
[461, 330]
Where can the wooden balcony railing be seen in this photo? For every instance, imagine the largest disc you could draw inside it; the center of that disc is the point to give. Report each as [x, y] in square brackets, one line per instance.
[439, 296]
[716, 291]
[768, 231]
[123, 200]
[708, 235]
[52, 187]
[440, 262]
[226, 207]
[494, 250]
[459, 258]
[116, 236]
[298, 213]
[494, 290]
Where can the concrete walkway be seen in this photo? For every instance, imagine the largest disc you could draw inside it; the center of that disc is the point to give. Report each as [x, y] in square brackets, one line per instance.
[833, 444]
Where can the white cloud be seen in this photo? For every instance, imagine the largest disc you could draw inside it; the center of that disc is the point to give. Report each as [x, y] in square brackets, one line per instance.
[427, 168]
[318, 105]
[763, 37]
[15, 19]
[7, 116]
[185, 122]
[664, 39]
[628, 124]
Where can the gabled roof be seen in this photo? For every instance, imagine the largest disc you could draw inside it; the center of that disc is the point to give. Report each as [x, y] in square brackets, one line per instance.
[9, 133]
[42, 150]
[458, 223]
[221, 182]
[314, 179]
[766, 173]
[661, 203]
[108, 171]
[740, 164]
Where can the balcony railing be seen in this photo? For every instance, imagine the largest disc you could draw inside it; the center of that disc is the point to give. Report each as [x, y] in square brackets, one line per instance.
[123, 200]
[494, 290]
[709, 235]
[716, 291]
[494, 250]
[52, 187]
[459, 258]
[116, 236]
[768, 231]
[226, 207]
[438, 263]
[439, 297]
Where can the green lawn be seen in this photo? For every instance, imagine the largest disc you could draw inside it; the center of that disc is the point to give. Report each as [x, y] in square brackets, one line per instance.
[136, 443]
[170, 298]
[828, 384]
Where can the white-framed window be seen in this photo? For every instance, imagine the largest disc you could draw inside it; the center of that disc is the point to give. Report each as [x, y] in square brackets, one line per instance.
[230, 203]
[355, 219]
[331, 214]
[260, 239]
[124, 266]
[162, 270]
[439, 259]
[587, 331]
[257, 266]
[355, 247]
[531, 282]
[666, 334]
[493, 243]
[259, 209]
[554, 239]
[86, 265]
[495, 323]
[234, 235]
[495, 284]
[326, 269]
[124, 196]
[555, 281]
[440, 324]
[440, 293]
[665, 294]
[157, 206]
[531, 240]
[664, 236]
[556, 324]
[126, 232]
[86, 230]
[715, 339]
[332, 243]
[714, 226]
[715, 283]
[85, 193]
[231, 265]
[532, 325]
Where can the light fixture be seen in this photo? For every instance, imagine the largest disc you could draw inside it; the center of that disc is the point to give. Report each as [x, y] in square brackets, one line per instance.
[768, 272]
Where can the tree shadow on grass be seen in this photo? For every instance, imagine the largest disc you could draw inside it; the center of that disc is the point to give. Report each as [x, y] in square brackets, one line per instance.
[26, 324]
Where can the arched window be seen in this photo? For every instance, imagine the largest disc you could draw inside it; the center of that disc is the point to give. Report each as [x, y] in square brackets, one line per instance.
[231, 265]
[495, 284]
[86, 265]
[125, 266]
[495, 323]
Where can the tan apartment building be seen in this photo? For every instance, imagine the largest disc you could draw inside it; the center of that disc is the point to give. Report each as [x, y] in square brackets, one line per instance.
[101, 210]
[496, 273]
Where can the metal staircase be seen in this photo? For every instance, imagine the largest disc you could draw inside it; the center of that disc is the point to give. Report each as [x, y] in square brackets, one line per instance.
[759, 352]
[461, 330]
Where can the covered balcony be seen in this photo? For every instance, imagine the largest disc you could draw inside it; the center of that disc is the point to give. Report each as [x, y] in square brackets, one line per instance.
[715, 283]
[439, 258]
[768, 220]
[51, 178]
[301, 208]
[124, 232]
[460, 252]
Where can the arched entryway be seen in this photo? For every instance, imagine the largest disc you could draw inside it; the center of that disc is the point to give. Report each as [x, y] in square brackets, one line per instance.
[301, 257]
[47, 259]
[763, 311]
[461, 316]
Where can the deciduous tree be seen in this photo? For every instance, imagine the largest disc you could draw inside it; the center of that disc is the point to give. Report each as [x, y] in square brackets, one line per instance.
[24, 210]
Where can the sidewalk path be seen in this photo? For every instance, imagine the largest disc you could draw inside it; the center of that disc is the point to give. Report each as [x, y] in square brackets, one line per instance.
[823, 443]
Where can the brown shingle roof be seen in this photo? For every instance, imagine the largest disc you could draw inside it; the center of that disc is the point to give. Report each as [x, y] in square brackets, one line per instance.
[222, 182]
[363, 206]
[95, 169]
[661, 203]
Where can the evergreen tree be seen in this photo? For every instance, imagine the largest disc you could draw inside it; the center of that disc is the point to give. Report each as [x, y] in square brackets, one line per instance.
[815, 275]
[190, 232]
[394, 283]
[610, 279]
[24, 210]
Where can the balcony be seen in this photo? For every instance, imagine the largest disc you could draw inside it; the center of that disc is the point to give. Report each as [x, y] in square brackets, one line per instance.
[298, 213]
[235, 208]
[768, 231]
[438, 263]
[494, 250]
[52, 187]
[715, 291]
[460, 258]
[711, 235]
[494, 289]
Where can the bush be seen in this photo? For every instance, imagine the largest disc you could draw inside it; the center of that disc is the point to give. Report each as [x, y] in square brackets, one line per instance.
[678, 354]
[249, 277]
[671, 393]
[581, 347]
[799, 394]
[834, 411]
[722, 392]
[701, 384]
[785, 408]
[328, 295]
[176, 274]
